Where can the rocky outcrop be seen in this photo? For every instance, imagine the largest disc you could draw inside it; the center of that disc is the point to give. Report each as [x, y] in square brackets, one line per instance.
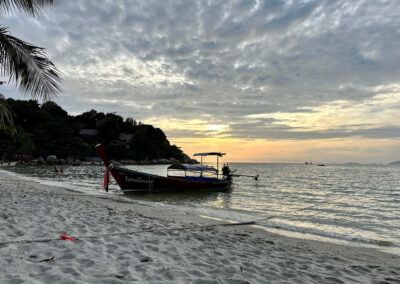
[51, 160]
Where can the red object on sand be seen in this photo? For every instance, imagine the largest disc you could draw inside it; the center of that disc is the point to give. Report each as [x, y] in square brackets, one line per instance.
[67, 237]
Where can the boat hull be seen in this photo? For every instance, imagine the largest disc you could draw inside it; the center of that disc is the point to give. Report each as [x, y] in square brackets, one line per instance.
[135, 182]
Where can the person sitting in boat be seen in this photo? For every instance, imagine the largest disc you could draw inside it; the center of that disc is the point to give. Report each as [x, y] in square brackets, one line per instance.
[226, 171]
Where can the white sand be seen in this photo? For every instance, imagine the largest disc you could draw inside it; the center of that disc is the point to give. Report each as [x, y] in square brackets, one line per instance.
[219, 254]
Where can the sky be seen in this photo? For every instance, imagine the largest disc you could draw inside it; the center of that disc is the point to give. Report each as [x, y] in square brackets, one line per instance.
[264, 81]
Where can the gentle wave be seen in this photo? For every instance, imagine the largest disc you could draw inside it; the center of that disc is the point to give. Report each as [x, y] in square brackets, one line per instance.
[327, 234]
[230, 216]
[61, 184]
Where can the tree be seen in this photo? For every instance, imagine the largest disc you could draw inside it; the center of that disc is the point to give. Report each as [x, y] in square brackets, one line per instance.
[25, 64]
[24, 143]
[110, 127]
[54, 110]
[47, 129]
[89, 119]
[6, 119]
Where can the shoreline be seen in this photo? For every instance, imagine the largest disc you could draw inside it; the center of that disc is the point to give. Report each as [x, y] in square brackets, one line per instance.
[150, 243]
[354, 240]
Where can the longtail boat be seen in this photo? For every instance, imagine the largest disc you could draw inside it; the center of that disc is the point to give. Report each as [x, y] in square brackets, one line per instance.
[180, 177]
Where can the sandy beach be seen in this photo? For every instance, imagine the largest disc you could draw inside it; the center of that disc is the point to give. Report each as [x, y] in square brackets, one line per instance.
[119, 241]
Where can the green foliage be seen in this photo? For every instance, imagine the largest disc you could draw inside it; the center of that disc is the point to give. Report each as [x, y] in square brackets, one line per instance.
[24, 143]
[7, 145]
[26, 65]
[47, 129]
[89, 119]
[6, 116]
[110, 127]
[151, 143]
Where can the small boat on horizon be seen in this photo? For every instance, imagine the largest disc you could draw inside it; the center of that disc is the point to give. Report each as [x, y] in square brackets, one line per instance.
[179, 176]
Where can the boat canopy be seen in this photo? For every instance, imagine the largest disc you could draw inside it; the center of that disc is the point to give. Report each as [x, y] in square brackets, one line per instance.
[187, 167]
[210, 154]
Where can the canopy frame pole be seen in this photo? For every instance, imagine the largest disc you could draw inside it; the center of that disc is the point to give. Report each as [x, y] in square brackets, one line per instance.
[217, 166]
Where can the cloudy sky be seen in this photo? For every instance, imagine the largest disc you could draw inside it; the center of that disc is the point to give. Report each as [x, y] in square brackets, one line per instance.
[273, 81]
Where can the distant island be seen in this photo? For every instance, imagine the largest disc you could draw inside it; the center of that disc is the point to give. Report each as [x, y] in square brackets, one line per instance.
[395, 163]
[48, 130]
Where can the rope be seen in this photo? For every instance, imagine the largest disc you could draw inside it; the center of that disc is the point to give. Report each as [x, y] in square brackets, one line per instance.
[76, 193]
[127, 233]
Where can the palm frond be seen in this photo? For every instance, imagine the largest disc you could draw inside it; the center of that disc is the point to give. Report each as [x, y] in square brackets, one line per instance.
[32, 7]
[6, 117]
[28, 67]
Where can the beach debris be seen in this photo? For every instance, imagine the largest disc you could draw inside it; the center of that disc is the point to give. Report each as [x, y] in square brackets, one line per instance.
[120, 276]
[146, 259]
[47, 259]
[129, 211]
[67, 237]
[241, 235]
[111, 211]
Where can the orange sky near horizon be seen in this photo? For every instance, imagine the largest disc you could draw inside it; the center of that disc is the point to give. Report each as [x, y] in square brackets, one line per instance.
[350, 119]
[353, 149]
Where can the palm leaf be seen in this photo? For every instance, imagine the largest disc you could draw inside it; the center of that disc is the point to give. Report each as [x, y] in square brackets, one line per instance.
[28, 67]
[32, 7]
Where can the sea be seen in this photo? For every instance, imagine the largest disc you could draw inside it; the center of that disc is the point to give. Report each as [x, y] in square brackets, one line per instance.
[353, 204]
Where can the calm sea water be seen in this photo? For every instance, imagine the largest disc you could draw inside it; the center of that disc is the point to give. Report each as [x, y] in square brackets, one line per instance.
[353, 204]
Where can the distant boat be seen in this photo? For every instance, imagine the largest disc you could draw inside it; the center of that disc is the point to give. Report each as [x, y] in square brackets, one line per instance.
[320, 165]
[183, 177]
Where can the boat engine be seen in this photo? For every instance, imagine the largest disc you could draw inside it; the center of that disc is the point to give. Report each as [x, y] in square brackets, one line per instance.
[226, 172]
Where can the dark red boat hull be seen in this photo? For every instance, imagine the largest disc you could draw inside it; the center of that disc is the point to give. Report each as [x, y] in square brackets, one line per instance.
[132, 181]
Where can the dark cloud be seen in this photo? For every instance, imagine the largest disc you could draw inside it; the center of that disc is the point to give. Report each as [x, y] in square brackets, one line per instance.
[284, 132]
[226, 59]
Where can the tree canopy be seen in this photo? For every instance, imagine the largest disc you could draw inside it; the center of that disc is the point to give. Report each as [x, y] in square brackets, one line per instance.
[26, 65]
[47, 129]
